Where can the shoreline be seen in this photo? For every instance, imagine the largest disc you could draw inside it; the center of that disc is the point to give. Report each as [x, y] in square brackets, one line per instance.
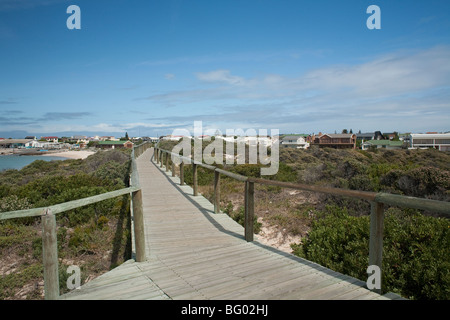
[69, 154]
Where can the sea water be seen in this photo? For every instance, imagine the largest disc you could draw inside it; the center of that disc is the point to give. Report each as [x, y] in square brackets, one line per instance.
[18, 161]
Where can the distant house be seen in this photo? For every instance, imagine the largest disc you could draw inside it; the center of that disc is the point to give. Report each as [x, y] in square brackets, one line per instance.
[151, 139]
[81, 141]
[50, 138]
[14, 143]
[386, 144]
[34, 144]
[377, 135]
[106, 138]
[440, 141]
[114, 144]
[173, 137]
[338, 141]
[30, 138]
[298, 142]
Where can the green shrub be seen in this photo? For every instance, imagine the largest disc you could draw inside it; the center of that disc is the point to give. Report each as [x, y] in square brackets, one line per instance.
[239, 217]
[416, 256]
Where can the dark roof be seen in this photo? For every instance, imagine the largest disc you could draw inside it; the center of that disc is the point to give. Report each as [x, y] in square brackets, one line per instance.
[338, 135]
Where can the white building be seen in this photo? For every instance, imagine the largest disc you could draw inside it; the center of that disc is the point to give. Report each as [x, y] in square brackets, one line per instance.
[440, 141]
[298, 142]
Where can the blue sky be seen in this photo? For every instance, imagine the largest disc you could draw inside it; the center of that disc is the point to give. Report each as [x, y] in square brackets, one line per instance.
[150, 67]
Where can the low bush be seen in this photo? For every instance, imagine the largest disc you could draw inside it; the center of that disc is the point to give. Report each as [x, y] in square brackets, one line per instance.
[95, 237]
[416, 257]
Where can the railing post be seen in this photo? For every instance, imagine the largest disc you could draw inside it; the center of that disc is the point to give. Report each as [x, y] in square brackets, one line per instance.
[249, 209]
[194, 178]
[376, 237]
[181, 173]
[216, 192]
[138, 219]
[167, 162]
[173, 169]
[50, 256]
[161, 160]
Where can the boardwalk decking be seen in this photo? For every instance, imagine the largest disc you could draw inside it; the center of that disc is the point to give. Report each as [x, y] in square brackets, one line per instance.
[193, 253]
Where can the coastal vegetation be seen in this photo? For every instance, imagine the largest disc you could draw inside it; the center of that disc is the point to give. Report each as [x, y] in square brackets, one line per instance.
[334, 230]
[95, 238]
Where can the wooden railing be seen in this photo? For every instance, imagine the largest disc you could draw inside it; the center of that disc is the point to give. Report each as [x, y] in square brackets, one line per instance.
[48, 221]
[377, 200]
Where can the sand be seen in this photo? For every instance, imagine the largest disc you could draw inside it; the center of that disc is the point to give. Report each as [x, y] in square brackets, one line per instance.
[82, 154]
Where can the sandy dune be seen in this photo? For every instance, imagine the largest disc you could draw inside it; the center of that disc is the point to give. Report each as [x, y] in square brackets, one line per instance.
[82, 154]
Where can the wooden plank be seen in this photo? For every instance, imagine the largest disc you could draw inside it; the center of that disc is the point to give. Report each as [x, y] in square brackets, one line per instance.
[138, 222]
[376, 237]
[413, 202]
[249, 210]
[50, 256]
[36, 212]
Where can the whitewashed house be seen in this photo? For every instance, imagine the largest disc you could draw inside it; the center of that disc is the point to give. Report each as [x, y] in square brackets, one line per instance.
[298, 142]
[440, 141]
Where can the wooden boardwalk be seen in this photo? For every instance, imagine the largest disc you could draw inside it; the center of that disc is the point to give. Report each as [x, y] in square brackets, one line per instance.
[193, 253]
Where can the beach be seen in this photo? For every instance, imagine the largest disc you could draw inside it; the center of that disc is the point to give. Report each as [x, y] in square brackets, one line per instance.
[72, 154]
[9, 160]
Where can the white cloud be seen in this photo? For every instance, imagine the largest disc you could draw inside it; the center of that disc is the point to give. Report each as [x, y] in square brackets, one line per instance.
[390, 75]
[397, 86]
[220, 76]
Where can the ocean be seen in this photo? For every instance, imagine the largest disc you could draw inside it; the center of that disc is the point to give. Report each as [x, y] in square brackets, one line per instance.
[18, 162]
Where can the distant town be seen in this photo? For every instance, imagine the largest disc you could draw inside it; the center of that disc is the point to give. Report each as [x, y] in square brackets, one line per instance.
[345, 139]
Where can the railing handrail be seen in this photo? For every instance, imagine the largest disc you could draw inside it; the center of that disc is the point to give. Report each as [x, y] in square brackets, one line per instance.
[382, 197]
[377, 201]
[48, 219]
[66, 206]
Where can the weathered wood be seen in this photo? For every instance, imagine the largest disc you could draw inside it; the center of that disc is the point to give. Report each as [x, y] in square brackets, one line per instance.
[139, 232]
[194, 178]
[134, 176]
[50, 256]
[36, 212]
[216, 192]
[206, 166]
[376, 235]
[366, 195]
[413, 202]
[62, 207]
[249, 210]
[167, 162]
[173, 169]
[232, 175]
[182, 173]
